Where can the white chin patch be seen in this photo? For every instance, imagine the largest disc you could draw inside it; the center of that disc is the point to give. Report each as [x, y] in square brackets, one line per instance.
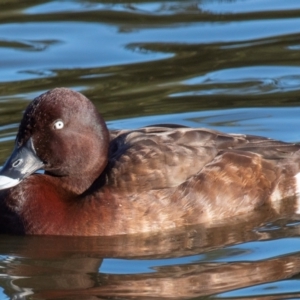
[7, 182]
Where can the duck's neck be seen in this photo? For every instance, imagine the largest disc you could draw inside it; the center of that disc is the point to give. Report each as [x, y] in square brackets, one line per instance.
[76, 185]
[79, 185]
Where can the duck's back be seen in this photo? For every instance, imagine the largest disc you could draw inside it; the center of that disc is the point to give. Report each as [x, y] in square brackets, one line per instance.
[166, 177]
[162, 157]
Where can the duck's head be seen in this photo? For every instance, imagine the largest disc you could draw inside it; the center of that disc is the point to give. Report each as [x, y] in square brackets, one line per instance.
[62, 133]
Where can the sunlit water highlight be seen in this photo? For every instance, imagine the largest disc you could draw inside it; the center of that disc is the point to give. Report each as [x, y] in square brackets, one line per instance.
[233, 66]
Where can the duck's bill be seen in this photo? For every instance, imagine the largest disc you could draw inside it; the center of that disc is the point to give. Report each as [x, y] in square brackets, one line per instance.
[20, 165]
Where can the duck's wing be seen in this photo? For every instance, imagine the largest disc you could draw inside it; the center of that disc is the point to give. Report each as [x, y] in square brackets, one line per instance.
[166, 156]
[267, 148]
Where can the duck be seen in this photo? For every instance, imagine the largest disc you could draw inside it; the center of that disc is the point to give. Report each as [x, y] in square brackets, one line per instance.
[100, 182]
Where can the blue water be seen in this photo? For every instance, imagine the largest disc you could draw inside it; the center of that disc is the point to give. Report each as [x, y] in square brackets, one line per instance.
[228, 65]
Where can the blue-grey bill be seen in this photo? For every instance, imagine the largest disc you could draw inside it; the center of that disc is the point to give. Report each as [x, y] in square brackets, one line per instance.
[7, 182]
[22, 162]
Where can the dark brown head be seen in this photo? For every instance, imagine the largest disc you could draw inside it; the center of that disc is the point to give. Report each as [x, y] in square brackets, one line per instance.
[62, 132]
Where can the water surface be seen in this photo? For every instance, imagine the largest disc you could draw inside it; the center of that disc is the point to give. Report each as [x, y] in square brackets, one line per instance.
[229, 65]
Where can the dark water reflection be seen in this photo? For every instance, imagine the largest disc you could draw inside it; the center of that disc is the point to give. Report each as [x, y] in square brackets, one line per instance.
[182, 264]
[228, 65]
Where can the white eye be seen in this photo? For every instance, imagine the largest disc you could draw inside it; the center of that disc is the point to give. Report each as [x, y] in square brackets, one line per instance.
[59, 124]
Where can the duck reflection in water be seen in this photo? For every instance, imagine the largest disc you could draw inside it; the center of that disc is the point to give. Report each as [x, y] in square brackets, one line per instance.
[74, 269]
[99, 182]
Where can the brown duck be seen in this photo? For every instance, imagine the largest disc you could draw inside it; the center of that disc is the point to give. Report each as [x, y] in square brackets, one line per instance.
[100, 182]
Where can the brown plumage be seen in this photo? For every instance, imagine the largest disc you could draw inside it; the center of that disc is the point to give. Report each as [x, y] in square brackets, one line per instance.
[98, 182]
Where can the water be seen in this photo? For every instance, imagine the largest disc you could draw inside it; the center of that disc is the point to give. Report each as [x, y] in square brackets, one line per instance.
[228, 65]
